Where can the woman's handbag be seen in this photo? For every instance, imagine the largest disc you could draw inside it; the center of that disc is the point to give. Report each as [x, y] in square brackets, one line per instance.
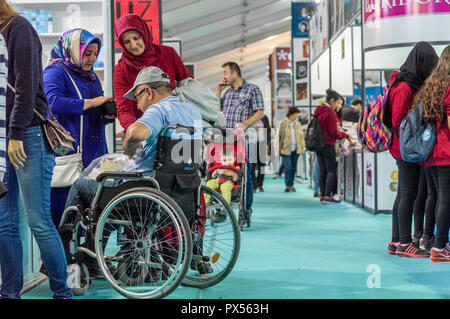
[68, 168]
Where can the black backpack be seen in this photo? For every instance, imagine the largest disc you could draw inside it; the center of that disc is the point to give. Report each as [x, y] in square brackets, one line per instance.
[314, 138]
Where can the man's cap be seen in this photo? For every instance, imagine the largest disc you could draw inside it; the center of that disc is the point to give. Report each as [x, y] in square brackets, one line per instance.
[148, 75]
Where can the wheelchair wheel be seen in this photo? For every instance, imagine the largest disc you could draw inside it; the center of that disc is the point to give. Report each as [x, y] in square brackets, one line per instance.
[216, 241]
[141, 245]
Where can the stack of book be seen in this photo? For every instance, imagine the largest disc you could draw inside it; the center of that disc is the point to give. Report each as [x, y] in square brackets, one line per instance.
[42, 20]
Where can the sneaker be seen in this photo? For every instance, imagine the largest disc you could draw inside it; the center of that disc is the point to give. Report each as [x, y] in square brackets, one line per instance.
[411, 250]
[416, 241]
[261, 189]
[392, 247]
[426, 244]
[442, 256]
[322, 200]
[331, 200]
[292, 189]
[287, 190]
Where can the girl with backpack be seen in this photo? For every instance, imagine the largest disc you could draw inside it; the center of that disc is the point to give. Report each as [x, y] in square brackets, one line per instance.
[326, 115]
[435, 98]
[404, 86]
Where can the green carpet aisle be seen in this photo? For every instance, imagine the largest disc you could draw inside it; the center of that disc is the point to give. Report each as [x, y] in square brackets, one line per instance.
[297, 248]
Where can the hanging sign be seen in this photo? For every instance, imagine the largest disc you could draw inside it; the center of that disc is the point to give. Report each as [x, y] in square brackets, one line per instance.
[149, 11]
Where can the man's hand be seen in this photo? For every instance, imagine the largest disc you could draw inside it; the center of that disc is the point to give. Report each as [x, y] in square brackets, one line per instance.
[16, 153]
[241, 127]
[220, 87]
[135, 134]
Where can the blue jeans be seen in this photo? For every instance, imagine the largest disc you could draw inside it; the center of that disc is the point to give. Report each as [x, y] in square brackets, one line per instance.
[290, 167]
[316, 174]
[32, 181]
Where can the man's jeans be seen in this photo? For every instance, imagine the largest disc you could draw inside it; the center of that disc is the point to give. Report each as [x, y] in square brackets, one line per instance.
[33, 181]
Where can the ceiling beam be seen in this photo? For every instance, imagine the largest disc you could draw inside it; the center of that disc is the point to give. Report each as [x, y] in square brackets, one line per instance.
[270, 18]
[170, 5]
[196, 54]
[217, 16]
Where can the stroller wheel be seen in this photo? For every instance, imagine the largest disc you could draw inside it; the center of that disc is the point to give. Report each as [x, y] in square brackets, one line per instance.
[79, 277]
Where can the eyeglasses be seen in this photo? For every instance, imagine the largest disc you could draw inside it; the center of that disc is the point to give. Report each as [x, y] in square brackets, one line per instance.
[143, 90]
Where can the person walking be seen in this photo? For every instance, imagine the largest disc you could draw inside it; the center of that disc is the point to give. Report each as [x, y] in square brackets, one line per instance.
[243, 106]
[435, 98]
[328, 120]
[29, 164]
[72, 59]
[291, 144]
[404, 87]
[139, 52]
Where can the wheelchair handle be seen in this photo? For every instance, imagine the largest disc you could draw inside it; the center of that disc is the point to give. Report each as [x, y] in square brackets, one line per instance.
[117, 175]
[190, 129]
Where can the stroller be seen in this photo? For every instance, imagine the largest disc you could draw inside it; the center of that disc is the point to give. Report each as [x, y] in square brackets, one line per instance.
[219, 143]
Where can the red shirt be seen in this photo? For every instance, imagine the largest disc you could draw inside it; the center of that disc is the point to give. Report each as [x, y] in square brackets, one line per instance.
[400, 98]
[440, 154]
[328, 120]
[124, 77]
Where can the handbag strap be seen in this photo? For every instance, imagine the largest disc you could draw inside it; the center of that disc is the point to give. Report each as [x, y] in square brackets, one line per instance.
[81, 119]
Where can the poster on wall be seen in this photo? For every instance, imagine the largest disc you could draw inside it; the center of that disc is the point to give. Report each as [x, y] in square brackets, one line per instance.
[301, 11]
[369, 180]
[413, 21]
[337, 16]
[318, 28]
[149, 11]
[301, 68]
[301, 91]
[351, 9]
[284, 84]
[387, 181]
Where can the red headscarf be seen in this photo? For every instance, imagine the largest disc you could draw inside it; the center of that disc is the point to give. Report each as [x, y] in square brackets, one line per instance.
[134, 22]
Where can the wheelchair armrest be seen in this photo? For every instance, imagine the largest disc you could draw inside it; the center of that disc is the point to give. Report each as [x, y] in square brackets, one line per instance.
[118, 175]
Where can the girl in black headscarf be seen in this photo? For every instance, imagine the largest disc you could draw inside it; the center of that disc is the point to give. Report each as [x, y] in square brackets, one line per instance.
[418, 66]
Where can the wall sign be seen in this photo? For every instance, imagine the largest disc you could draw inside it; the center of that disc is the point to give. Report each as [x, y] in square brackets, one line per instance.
[146, 9]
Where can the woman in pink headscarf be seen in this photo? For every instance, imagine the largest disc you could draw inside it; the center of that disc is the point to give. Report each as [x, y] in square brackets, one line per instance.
[139, 52]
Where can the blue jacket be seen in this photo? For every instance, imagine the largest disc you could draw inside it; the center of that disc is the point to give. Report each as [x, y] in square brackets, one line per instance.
[65, 104]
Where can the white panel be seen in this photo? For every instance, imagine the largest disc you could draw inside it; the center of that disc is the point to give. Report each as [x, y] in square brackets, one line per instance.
[357, 47]
[391, 58]
[341, 64]
[320, 74]
[407, 29]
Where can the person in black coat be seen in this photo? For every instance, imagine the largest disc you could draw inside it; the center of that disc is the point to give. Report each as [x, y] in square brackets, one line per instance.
[263, 132]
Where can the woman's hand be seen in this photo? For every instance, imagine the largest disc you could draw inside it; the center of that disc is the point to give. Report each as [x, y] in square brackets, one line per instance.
[97, 101]
[16, 153]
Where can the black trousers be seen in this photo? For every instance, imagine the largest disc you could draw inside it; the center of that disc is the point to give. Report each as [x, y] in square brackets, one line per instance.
[425, 205]
[441, 177]
[328, 169]
[402, 213]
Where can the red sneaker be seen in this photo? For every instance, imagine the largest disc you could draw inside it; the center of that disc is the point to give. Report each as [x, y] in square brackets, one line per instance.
[440, 256]
[392, 247]
[412, 251]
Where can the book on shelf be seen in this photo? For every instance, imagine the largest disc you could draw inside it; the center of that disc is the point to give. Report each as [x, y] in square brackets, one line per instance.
[41, 20]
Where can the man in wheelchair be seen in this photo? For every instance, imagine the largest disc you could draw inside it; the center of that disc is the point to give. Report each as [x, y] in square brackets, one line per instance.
[152, 92]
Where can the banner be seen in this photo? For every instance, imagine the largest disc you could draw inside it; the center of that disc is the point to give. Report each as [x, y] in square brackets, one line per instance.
[301, 11]
[319, 30]
[149, 11]
[393, 23]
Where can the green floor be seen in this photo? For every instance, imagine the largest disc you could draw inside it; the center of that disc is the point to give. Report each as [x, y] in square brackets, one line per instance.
[297, 248]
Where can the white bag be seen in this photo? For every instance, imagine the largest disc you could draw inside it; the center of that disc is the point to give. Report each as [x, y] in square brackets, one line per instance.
[68, 168]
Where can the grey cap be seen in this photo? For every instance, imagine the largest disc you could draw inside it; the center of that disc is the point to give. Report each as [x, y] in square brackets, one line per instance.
[148, 75]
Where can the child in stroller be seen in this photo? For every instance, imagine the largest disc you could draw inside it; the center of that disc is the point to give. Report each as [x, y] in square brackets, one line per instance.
[224, 176]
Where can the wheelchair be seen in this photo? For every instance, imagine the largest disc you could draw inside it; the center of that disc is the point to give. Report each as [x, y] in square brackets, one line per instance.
[148, 235]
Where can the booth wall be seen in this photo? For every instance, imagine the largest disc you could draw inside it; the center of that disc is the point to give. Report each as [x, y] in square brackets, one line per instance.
[341, 67]
[320, 74]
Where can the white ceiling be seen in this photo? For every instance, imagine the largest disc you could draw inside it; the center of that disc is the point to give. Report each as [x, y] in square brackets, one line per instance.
[215, 31]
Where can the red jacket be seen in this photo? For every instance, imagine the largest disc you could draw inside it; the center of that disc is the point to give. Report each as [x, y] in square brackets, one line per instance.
[440, 155]
[328, 121]
[400, 101]
[124, 77]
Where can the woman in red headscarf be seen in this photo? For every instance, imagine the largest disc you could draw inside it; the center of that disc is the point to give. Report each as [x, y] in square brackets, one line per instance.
[139, 52]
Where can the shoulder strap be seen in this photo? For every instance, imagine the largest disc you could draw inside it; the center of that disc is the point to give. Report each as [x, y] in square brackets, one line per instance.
[4, 28]
[81, 118]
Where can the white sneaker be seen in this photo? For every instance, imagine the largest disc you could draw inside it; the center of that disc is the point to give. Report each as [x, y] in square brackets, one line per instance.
[337, 197]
